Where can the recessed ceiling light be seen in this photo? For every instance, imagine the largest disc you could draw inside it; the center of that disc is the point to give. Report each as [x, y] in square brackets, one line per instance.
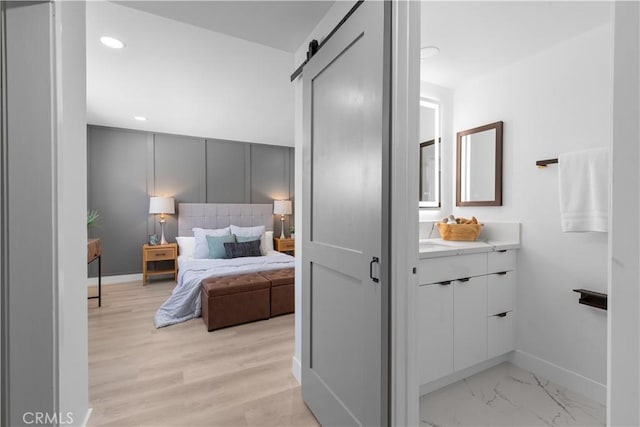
[111, 42]
[140, 118]
[428, 52]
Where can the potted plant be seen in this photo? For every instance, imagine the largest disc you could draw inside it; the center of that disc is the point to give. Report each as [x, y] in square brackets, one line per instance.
[292, 231]
[93, 217]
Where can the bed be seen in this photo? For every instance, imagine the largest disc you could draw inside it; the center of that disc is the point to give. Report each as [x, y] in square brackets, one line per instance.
[184, 302]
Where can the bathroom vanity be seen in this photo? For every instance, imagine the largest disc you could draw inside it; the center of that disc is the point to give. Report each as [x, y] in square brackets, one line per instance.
[466, 305]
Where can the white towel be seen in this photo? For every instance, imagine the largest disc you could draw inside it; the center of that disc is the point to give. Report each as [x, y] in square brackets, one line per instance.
[583, 177]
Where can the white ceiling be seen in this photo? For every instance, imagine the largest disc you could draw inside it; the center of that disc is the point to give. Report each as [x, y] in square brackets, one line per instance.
[186, 80]
[476, 37]
[282, 25]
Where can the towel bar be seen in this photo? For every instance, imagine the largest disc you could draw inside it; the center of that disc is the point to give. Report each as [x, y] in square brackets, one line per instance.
[544, 163]
[592, 298]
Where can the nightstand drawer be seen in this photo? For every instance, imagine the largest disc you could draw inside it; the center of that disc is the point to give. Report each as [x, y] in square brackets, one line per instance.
[286, 245]
[160, 254]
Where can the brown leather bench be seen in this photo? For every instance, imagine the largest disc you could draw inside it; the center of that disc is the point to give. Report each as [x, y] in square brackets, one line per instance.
[231, 300]
[282, 290]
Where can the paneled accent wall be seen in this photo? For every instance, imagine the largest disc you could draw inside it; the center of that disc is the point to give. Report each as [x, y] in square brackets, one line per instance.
[126, 167]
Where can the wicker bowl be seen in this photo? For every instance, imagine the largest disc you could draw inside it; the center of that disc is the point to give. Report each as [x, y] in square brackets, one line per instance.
[468, 232]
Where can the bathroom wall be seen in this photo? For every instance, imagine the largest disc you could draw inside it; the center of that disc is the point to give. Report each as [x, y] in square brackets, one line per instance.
[556, 101]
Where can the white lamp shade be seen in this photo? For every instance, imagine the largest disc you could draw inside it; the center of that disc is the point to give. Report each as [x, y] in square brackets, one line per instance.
[162, 205]
[282, 207]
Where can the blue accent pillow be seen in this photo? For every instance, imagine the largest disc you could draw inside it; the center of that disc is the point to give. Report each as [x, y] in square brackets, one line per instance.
[243, 249]
[216, 245]
[242, 239]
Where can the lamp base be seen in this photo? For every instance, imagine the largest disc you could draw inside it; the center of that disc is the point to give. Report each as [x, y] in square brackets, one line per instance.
[282, 227]
[163, 241]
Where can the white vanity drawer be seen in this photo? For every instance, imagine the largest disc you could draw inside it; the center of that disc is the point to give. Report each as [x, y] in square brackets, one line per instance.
[501, 261]
[501, 291]
[433, 270]
[501, 336]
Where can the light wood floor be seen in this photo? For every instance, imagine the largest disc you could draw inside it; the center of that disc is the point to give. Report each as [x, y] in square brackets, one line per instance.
[183, 375]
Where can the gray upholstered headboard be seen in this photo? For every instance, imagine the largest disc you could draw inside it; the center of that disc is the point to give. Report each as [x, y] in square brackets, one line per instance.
[220, 215]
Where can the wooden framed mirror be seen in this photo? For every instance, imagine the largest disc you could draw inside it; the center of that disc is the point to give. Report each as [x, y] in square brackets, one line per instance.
[479, 166]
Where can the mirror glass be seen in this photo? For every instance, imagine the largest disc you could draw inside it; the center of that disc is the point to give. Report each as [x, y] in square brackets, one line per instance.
[479, 166]
[429, 154]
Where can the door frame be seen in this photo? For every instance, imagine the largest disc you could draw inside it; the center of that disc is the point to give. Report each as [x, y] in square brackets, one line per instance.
[405, 101]
[4, 419]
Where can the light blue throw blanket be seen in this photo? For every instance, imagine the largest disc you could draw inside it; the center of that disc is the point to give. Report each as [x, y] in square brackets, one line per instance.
[184, 302]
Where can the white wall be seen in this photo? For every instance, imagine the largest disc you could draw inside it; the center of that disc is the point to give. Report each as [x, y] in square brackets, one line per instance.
[553, 102]
[186, 80]
[73, 393]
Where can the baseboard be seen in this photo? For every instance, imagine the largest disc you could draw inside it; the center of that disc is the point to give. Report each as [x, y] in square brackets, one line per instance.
[86, 417]
[460, 375]
[559, 375]
[110, 280]
[296, 369]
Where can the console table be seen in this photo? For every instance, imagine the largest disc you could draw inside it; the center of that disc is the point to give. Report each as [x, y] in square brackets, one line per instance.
[94, 252]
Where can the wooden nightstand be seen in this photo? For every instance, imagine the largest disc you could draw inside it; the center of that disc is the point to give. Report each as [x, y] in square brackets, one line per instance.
[168, 252]
[284, 245]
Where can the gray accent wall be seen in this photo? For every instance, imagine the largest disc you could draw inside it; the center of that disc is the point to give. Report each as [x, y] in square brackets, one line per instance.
[117, 189]
[126, 167]
[227, 164]
[270, 168]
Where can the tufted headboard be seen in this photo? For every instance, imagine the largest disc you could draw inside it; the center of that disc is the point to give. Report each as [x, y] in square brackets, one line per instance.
[220, 215]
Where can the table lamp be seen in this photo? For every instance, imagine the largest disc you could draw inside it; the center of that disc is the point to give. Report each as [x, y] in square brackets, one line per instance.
[282, 208]
[162, 206]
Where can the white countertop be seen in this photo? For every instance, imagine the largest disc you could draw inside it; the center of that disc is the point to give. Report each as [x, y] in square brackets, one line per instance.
[432, 248]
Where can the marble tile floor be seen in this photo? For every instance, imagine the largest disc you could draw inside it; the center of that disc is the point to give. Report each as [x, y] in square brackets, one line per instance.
[506, 395]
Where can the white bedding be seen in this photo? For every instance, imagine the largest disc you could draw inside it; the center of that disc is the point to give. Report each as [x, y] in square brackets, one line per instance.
[184, 302]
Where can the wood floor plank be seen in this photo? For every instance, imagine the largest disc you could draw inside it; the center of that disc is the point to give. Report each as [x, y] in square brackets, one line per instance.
[183, 375]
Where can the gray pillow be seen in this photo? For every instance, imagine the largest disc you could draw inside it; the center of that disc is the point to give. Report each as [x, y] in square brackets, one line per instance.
[243, 249]
[216, 245]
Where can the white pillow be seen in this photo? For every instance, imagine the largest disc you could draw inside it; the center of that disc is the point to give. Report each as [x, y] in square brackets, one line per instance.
[268, 241]
[257, 231]
[186, 245]
[202, 247]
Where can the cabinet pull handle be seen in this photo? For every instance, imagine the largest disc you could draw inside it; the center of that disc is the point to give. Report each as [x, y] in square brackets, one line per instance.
[374, 260]
[466, 279]
[502, 314]
[502, 273]
[501, 250]
[445, 283]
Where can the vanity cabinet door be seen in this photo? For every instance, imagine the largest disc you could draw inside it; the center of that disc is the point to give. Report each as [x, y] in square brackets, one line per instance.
[470, 322]
[501, 292]
[501, 334]
[435, 331]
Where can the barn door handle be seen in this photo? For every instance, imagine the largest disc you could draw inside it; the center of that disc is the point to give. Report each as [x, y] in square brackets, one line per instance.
[374, 260]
